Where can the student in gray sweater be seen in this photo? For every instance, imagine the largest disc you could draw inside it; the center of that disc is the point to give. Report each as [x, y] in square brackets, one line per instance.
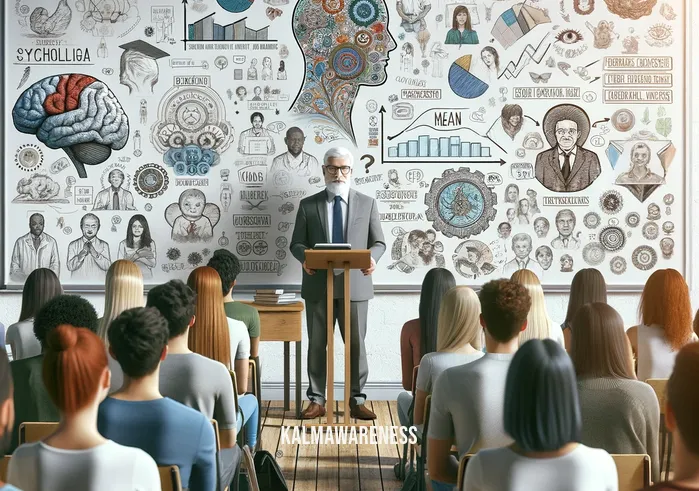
[619, 413]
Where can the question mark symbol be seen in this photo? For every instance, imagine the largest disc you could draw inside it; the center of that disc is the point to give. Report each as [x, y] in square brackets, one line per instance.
[368, 164]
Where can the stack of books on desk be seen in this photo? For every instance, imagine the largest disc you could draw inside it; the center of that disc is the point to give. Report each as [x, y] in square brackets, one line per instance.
[274, 297]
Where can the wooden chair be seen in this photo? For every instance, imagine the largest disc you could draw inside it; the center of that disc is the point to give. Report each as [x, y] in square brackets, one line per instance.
[633, 471]
[4, 464]
[170, 478]
[253, 386]
[214, 423]
[659, 387]
[249, 464]
[33, 432]
[462, 470]
[235, 389]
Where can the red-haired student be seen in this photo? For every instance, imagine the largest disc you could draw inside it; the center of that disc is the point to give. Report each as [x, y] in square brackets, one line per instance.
[76, 457]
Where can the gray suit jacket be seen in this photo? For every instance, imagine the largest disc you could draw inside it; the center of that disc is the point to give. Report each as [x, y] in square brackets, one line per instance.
[363, 232]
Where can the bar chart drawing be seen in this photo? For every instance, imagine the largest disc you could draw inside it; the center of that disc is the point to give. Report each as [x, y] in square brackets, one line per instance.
[446, 147]
[207, 30]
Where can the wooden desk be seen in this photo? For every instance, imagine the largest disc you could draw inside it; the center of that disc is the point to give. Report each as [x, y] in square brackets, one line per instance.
[283, 323]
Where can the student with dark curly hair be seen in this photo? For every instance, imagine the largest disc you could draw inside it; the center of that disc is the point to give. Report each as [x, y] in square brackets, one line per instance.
[137, 415]
[32, 402]
[75, 457]
[542, 415]
[468, 400]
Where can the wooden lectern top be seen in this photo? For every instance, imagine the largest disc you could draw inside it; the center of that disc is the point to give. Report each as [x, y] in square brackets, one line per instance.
[356, 258]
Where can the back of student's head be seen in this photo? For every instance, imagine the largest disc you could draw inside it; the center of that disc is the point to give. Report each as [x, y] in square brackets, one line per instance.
[137, 338]
[227, 266]
[64, 309]
[683, 397]
[123, 290]
[176, 302]
[599, 345]
[73, 367]
[588, 286]
[504, 308]
[209, 334]
[436, 283]
[542, 413]
[538, 322]
[41, 286]
[459, 317]
[665, 302]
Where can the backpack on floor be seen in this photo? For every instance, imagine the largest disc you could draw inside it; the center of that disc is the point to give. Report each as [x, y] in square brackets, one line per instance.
[269, 475]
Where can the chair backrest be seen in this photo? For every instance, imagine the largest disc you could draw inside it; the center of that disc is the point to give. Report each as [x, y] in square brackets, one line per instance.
[462, 470]
[214, 423]
[250, 466]
[633, 471]
[4, 464]
[170, 478]
[31, 432]
[252, 378]
[659, 386]
[426, 420]
[235, 388]
[414, 382]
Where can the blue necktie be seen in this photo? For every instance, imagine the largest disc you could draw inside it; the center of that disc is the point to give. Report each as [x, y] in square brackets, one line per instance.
[338, 236]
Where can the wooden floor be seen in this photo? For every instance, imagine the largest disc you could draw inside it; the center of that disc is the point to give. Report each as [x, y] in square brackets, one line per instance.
[332, 467]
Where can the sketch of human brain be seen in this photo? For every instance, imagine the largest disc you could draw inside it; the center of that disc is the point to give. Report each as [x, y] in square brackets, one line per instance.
[76, 113]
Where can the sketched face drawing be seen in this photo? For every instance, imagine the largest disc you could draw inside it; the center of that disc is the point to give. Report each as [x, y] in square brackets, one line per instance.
[137, 228]
[90, 226]
[640, 156]
[565, 223]
[345, 44]
[522, 248]
[192, 205]
[116, 178]
[544, 256]
[36, 225]
[566, 134]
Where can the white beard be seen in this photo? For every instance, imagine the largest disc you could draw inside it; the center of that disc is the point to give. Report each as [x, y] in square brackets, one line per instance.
[338, 188]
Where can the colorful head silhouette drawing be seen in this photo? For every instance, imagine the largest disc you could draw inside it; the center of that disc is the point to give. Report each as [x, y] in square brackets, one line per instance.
[345, 44]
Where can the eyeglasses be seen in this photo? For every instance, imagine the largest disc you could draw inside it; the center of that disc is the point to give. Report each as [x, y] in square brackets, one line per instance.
[333, 170]
[566, 131]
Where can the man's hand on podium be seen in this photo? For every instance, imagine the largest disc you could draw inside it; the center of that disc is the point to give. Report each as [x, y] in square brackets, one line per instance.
[370, 269]
[308, 270]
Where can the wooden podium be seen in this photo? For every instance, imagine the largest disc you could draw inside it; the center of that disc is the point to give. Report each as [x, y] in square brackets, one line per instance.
[331, 259]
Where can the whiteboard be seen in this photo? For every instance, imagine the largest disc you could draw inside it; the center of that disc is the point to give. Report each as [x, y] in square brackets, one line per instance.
[493, 136]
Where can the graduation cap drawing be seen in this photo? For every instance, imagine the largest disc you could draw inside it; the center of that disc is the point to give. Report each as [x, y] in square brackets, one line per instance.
[139, 66]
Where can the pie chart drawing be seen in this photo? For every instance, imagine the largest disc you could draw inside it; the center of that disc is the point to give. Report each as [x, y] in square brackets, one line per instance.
[235, 6]
[462, 82]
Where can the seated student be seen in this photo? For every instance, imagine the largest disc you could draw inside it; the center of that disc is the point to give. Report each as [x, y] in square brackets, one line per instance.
[76, 457]
[419, 336]
[199, 382]
[32, 402]
[41, 286]
[138, 416]
[7, 415]
[681, 409]
[467, 401]
[123, 289]
[666, 316]
[213, 334]
[539, 325]
[458, 343]
[543, 416]
[588, 286]
[619, 413]
[227, 266]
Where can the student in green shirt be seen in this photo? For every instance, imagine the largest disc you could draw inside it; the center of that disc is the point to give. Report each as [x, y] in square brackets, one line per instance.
[461, 31]
[32, 402]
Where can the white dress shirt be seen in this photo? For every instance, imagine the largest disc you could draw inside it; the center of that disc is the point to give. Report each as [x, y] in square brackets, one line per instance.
[26, 258]
[343, 204]
[561, 157]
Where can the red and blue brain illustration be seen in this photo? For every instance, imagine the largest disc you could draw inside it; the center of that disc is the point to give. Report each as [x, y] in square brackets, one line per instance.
[76, 113]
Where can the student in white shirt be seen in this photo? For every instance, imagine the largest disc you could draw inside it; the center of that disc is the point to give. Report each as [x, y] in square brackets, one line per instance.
[542, 414]
[467, 400]
[76, 457]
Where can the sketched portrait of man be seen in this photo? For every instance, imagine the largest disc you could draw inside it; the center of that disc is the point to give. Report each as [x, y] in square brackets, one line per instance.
[338, 61]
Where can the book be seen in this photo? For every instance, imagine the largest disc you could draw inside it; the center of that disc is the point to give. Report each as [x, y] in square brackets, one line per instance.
[332, 246]
[269, 292]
